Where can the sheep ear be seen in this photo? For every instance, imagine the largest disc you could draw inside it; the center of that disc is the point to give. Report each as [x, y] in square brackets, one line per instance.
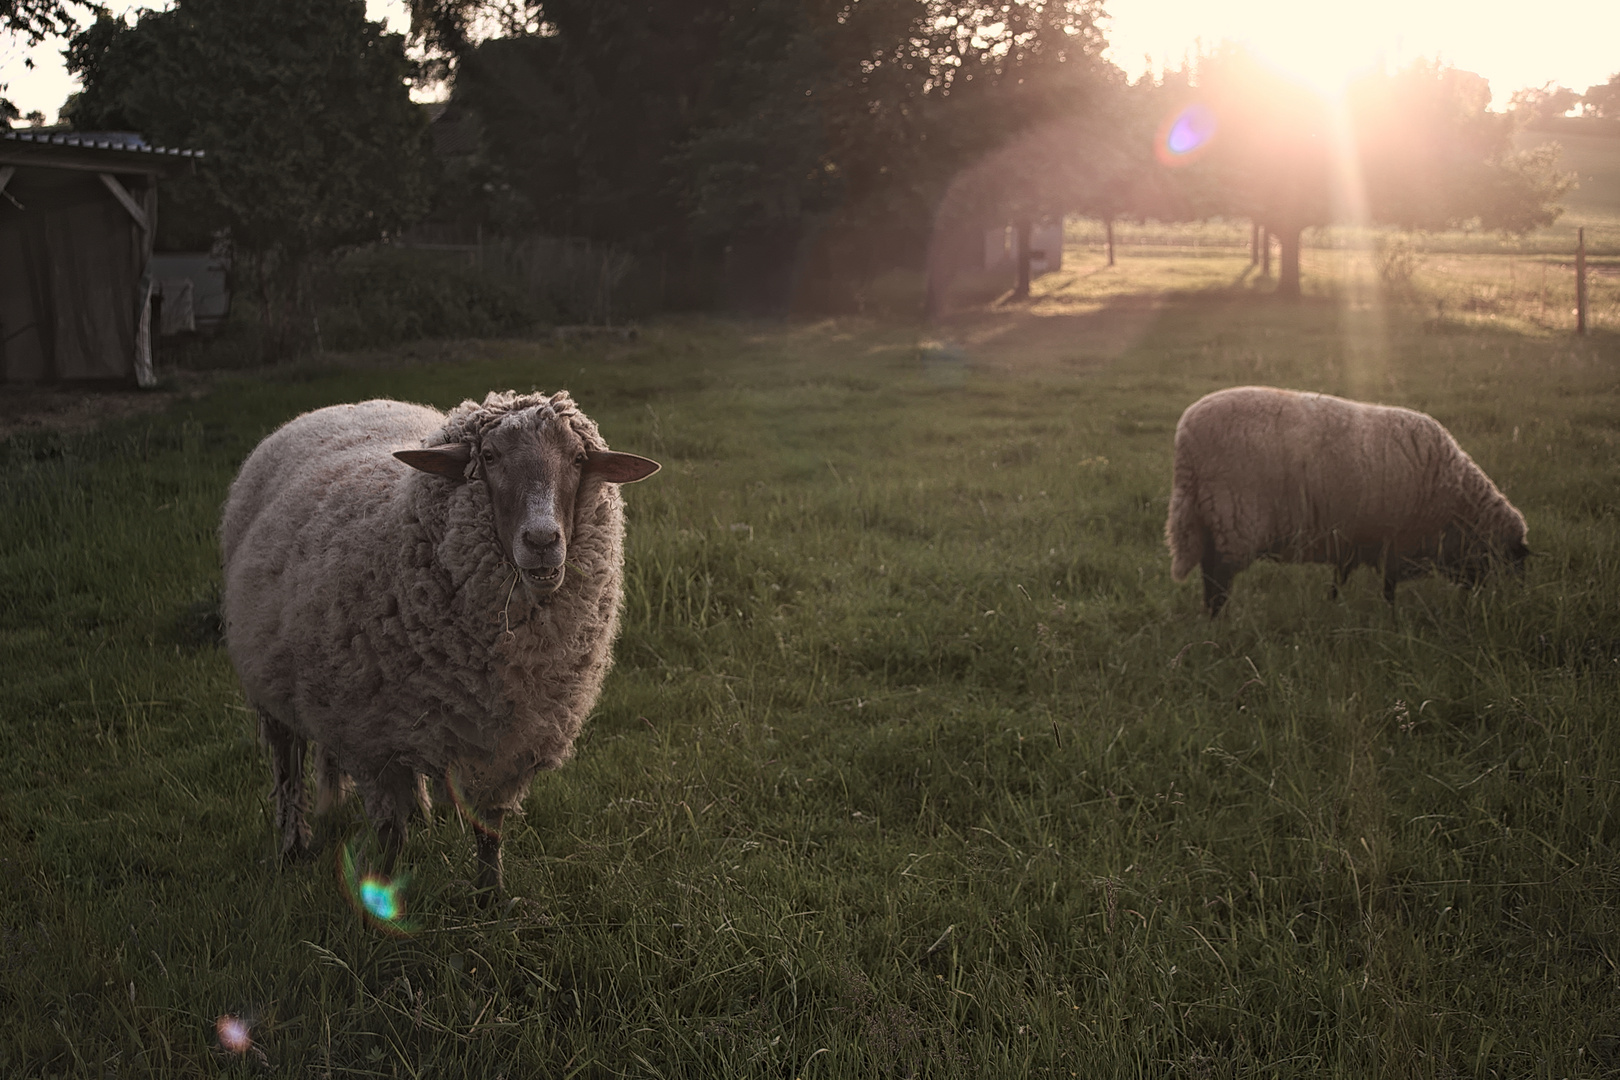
[618, 468]
[449, 461]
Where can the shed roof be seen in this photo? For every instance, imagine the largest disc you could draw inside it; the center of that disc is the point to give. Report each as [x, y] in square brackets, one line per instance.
[119, 151]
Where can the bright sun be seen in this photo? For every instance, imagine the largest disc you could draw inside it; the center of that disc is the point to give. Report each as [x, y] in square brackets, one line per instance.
[1323, 46]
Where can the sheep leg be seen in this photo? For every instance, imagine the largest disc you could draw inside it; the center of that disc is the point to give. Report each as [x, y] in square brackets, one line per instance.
[1218, 577]
[390, 800]
[331, 786]
[489, 854]
[1341, 574]
[1392, 574]
[391, 841]
[287, 770]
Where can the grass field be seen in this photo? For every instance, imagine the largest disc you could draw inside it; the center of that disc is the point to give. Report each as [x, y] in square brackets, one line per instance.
[914, 763]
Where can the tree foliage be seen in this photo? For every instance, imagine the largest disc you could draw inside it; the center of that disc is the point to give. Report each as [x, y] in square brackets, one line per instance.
[1416, 148]
[1535, 105]
[820, 133]
[1602, 102]
[35, 20]
[31, 22]
[301, 106]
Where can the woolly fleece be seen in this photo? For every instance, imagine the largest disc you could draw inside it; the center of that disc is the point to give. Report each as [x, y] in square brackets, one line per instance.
[1315, 478]
[369, 608]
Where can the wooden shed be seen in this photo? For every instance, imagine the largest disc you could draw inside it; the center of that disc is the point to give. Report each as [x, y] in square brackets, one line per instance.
[77, 215]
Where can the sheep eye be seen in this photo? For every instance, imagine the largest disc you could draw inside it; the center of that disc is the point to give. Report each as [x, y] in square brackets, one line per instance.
[489, 457]
[579, 458]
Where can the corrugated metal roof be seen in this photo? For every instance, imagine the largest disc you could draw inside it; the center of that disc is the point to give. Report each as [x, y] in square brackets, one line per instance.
[127, 141]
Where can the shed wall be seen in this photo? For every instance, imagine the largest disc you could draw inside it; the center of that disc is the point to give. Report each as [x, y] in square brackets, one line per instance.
[71, 259]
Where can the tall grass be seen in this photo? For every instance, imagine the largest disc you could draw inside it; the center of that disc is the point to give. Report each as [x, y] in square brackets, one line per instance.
[914, 762]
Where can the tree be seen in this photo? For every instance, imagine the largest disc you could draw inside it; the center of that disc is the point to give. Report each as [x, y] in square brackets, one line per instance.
[1538, 105]
[33, 21]
[816, 134]
[36, 20]
[1416, 148]
[1432, 156]
[301, 106]
[1602, 102]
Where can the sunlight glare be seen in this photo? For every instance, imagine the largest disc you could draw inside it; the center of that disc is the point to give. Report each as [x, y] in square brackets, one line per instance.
[1324, 46]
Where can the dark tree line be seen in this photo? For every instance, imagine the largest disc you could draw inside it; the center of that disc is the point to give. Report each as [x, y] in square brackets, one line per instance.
[808, 145]
[790, 146]
[767, 153]
[1537, 105]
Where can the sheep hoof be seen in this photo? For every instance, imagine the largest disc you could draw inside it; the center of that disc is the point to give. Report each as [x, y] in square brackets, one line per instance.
[294, 854]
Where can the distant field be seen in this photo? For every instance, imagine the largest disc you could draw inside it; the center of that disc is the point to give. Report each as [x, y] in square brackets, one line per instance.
[1591, 152]
[914, 763]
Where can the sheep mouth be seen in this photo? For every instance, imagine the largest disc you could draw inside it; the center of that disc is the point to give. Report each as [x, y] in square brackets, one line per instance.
[544, 579]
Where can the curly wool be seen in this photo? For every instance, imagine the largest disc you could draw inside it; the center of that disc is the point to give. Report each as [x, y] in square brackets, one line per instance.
[1262, 472]
[369, 606]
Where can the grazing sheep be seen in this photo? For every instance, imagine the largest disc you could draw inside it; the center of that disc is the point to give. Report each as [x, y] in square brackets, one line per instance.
[1268, 473]
[425, 595]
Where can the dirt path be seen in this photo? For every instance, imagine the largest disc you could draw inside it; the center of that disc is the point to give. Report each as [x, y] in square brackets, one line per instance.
[69, 410]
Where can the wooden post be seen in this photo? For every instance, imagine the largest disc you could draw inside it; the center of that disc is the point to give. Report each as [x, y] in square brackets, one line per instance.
[1265, 252]
[1108, 230]
[1021, 231]
[1254, 243]
[1580, 281]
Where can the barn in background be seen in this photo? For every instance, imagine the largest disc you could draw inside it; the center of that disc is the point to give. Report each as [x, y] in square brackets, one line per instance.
[78, 211]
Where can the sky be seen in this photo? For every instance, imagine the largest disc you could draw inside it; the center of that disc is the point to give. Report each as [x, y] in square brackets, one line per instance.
[1574, 43]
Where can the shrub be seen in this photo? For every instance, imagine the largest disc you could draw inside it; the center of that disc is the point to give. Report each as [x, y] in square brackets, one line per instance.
[385, 295]
[1396, 259]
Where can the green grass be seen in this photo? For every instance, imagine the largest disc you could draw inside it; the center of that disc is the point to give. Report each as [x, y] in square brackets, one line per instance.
[914, 762]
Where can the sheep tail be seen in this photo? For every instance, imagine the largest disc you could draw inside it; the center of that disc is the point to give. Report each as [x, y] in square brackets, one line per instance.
[1183, 530]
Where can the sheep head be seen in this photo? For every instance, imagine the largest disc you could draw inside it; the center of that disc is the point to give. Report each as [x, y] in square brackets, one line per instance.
[1466, 556]
[535, 464]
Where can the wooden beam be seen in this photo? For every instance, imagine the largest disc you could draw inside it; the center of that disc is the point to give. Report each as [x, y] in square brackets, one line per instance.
[124, 197]
[88, 161]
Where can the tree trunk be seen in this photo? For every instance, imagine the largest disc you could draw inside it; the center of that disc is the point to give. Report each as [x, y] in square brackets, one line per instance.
[944, 256]
[1108, 230]
[1021, 231]
[1288, 262]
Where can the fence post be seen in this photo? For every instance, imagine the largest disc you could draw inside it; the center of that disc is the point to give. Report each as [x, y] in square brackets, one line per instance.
[1580, 281]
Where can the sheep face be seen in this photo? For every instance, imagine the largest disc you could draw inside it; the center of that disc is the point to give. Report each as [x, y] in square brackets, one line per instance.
[534, 464]
[1467, 563]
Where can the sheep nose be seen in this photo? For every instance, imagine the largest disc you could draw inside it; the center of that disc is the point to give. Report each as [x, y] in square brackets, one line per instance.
[544, 539]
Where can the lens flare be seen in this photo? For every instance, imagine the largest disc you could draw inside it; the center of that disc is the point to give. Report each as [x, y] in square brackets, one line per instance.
[232, 1032]
[379, 898]
[1185, 135]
